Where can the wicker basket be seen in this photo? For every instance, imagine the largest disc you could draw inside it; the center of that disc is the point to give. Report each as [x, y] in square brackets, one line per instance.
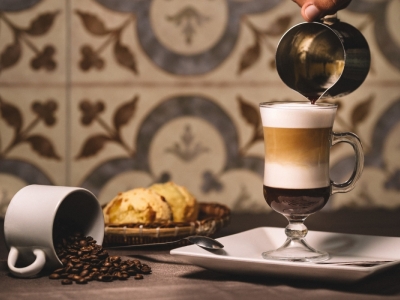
[212, 217]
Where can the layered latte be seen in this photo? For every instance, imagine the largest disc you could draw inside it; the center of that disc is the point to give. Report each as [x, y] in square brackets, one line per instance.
[297, 139]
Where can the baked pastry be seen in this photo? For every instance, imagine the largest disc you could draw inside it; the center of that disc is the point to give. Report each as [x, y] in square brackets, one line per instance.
[183, 204]
[139, 205]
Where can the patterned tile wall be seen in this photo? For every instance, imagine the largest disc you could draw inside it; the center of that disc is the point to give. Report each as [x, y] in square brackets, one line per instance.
[116, 94]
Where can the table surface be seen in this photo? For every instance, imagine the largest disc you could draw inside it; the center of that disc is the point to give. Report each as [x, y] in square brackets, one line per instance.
[172, 279]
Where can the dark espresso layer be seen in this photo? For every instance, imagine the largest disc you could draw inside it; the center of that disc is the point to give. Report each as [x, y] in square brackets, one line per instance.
[296, 202]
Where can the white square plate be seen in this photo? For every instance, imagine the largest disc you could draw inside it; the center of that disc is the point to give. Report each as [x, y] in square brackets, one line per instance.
[242, 255]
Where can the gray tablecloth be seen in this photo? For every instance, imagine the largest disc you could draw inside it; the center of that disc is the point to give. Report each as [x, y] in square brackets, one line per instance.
[172, 279]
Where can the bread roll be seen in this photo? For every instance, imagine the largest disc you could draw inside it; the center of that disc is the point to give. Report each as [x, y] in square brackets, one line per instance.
[137, 206]
[183, 204]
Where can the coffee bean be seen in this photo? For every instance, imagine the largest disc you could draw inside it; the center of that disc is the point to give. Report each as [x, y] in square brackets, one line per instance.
[55, 276]
[70, 276]
[102, 254]
[84, 261]
[86, 250]
[85, 258]
[131, 272]
[146, 270]
[115, 258]
[86, 267]
[95, 261]
[124, 267]
[81, 281]
[66, 281]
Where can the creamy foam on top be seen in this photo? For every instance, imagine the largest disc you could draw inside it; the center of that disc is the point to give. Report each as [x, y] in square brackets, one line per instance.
[297, 115]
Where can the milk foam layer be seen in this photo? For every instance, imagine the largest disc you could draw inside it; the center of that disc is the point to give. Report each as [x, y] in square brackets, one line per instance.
[296, 177]
[297, 115]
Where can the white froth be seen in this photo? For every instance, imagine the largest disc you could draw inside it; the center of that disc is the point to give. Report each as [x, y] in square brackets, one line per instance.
[297, 115]
[296, 177]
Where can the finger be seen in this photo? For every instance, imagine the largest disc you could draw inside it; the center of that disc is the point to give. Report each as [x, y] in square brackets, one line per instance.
[300, 2]
[341, 5]
[313, 10]
[330, 6]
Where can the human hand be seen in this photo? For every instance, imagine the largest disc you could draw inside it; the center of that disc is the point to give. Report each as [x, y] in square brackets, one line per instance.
[312, 10]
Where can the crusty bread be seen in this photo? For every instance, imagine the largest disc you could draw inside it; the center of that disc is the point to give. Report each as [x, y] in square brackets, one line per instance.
[137, 206]
[182, 203]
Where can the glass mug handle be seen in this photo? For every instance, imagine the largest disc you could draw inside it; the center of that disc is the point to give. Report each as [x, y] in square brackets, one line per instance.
[354, 141]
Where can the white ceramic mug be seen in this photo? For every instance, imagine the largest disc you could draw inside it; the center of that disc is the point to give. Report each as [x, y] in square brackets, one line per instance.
[31, 218]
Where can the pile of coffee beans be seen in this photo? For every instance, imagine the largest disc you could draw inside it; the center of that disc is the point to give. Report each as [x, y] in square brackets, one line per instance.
[83, 261]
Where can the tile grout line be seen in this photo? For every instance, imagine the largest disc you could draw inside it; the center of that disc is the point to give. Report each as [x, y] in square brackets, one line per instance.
[177, 84]
[68, 92]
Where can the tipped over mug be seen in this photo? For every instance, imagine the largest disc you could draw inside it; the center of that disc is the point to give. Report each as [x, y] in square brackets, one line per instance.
[32, 218]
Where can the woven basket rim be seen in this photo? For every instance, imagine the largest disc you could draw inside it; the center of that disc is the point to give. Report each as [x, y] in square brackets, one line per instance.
[212, 217]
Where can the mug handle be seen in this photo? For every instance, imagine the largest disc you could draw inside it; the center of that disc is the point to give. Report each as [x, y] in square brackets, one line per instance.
[32, 269]
[354, 141]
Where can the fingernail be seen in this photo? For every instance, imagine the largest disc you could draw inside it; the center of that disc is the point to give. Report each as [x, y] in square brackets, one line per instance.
[312, 12]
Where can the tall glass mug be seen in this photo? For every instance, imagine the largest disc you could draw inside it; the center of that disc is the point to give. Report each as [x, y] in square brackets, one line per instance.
[298, 137]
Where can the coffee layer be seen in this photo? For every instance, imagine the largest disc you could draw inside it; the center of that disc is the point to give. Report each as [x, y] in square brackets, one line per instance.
[296, 157]
[299, 146]
[296, 203]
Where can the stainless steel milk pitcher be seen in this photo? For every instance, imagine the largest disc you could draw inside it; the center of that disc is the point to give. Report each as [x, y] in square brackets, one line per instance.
[326, 59]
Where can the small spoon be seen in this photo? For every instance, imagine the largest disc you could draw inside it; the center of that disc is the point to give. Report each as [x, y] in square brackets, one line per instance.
[201, 241]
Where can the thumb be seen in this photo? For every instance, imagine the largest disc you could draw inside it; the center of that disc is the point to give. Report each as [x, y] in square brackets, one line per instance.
[310, 12]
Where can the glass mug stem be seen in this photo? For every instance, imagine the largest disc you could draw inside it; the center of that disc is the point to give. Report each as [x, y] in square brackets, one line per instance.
[354, 141]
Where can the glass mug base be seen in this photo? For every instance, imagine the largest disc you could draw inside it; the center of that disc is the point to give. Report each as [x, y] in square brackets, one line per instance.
[296, 250]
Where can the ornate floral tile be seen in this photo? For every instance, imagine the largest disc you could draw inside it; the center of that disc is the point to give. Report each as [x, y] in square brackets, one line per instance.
[33, 44]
